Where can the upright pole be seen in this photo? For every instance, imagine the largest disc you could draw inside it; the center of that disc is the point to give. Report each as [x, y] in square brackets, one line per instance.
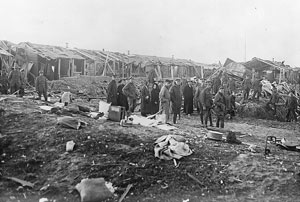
[59, 61]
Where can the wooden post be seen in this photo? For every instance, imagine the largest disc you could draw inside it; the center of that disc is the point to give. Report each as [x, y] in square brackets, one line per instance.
[280, 75]
[59, 61]
[84, 66]
[73, 66]
[114, 67]
[123, 70]
[130, 72]
[95, 68]
[253, 74]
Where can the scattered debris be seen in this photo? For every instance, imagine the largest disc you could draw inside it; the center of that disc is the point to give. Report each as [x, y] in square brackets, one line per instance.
[46, 108]
[70, 146]
[214, 135]
[171, 146]
[22, 182]
[92, 190]
[125, 193]
[71, 122]
[195, 179]
[231, 138]
[252, 148]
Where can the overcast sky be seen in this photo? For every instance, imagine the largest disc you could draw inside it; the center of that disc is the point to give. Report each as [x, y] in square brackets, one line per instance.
[205, 31]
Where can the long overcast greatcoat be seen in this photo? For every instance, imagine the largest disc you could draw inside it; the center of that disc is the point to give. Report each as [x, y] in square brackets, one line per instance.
[154, 99]
[206, 98]
[112, 93]
[121, 98]
[176, 99]
[130, 90]
[145, 100]
[41, 84]
[220, 104]
[188, 99]
[15, 78]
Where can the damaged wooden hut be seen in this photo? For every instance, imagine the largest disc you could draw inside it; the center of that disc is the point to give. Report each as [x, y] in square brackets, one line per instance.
[55, 61]
[163, 67]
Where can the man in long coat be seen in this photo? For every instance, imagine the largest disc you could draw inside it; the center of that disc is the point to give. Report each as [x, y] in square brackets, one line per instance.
[121, 98]
[131, 92]
[176, 99]
[207, 104]
[291, 104]
[41, 85]
[164, 98]
[188, 98]
[220, 107]
[145, 99]
[198, 102]
[14, 79]
[154, 99]
[112, 92]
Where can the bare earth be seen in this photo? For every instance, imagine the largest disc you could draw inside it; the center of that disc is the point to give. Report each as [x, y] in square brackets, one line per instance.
[32, 148]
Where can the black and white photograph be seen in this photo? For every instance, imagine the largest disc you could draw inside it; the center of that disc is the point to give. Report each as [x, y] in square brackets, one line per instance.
[149, 101]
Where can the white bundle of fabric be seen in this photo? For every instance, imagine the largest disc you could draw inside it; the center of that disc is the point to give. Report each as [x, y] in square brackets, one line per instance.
[170, 147]
[267, 86]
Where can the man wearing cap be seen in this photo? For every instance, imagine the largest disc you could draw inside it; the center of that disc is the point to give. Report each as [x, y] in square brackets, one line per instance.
[246, 87]
[41, 85]
[14, 78]
[145, 99]
[257, 87]
[164, 98]
[207, 103]
[176, 99]
[112, 92]
[274, 99]
[188, 98]
[291, 104]
[199, 88]
[131, 92]
[220, 107]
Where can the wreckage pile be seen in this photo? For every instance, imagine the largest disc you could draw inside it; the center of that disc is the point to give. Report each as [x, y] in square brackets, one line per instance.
[260, 109]
[91, 86]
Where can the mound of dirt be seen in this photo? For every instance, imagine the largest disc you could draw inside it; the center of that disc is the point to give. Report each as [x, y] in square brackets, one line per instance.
[34, 150]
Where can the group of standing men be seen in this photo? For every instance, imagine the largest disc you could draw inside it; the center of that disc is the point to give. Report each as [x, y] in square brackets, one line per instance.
[290, 103]
[126, 95]
[167, 98]
[15, 81]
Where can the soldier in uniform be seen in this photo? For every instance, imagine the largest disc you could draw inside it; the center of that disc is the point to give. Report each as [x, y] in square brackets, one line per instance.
[220, 107]
[176, 99]
[41, 85]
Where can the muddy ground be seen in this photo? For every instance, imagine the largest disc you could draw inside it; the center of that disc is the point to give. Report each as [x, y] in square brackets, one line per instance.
[33, 149]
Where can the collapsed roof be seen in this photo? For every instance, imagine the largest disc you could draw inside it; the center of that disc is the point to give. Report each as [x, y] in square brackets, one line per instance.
[145, 60]
[49, 52]
[261, 65]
